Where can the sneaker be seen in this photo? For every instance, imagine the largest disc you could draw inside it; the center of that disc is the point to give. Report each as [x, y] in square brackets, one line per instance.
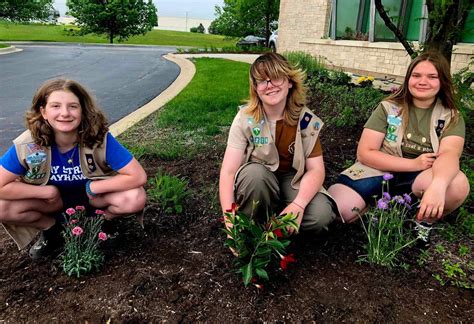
[423, 230]
[48, 242]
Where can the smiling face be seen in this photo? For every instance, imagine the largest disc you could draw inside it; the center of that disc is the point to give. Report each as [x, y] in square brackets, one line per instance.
[424, 84]
[273, 92]
[63, 112]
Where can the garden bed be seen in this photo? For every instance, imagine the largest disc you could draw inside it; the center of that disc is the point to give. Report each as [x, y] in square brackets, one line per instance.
[178, 270]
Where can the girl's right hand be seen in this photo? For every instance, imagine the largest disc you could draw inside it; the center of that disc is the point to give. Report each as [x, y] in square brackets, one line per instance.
[425, 161]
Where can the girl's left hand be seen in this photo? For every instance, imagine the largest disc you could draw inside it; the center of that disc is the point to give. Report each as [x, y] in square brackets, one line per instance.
[295, 210]
[432, 204]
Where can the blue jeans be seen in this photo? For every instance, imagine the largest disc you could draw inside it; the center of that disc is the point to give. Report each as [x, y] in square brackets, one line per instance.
[370, 188]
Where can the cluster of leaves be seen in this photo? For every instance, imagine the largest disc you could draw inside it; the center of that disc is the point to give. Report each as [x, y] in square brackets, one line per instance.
[255, 244]
[245, 17]
[115, 18]
[344, 106]
[386, 232]
[27, 10]
[168, 191]
[82, 234]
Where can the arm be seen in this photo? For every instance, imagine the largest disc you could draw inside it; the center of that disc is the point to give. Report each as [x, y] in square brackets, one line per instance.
[368, 152]
[444, 170]
[232, 161]
[310, 184]
[11, 189]
[129, 177]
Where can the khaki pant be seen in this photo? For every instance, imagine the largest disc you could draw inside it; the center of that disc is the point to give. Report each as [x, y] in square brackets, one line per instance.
[255, 182]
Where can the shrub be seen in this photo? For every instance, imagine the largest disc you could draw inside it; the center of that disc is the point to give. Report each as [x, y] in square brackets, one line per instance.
[168, 191]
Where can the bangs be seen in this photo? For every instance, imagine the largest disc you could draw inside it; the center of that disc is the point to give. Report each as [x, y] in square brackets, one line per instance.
[263, 70]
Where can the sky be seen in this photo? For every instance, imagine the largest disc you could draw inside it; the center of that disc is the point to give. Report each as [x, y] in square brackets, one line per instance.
[175, 8]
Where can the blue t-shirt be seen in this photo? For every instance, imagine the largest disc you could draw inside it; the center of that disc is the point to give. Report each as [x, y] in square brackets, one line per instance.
[67, 177]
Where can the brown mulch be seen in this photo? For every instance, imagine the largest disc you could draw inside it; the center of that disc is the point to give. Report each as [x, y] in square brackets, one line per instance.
[178, 270]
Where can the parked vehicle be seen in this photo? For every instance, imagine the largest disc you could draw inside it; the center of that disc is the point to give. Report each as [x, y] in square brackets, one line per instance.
[251, 41]
[272, 41]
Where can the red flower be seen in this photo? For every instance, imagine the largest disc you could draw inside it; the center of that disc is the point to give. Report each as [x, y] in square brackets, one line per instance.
[221, 219]
[278, 233]
[233, 209]
[285, 260]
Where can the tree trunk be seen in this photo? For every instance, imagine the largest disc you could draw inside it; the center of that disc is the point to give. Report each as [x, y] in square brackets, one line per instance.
[111, 37]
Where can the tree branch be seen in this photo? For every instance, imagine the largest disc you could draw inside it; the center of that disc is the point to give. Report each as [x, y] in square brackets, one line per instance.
[388, 22]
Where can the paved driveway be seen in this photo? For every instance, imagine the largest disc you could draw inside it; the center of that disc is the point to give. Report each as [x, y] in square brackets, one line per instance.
[123, 78]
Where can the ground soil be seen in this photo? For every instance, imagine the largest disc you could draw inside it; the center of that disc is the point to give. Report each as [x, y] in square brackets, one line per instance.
[177, 269]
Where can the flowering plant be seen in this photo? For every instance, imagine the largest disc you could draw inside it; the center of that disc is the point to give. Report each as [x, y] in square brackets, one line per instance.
[255, 244]
[365, 81]
[82, 234]
[387, 236]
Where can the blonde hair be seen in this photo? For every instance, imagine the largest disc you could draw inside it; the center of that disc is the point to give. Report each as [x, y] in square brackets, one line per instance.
[93, 125]
[275, 66]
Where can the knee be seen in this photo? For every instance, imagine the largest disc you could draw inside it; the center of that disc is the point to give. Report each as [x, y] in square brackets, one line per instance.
[459, 189]
[134, 200]
[318, 216]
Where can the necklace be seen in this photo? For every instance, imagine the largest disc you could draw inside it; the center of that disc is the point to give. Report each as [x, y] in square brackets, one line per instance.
[70, 159]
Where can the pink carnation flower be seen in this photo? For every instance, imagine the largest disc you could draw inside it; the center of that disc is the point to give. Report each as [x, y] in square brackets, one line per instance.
[77, 231]
[73, 221]
[102, 236]
[99, 212]
[80, 208]
[70, 211]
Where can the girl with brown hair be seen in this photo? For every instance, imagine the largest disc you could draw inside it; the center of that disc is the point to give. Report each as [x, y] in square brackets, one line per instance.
[66, 158]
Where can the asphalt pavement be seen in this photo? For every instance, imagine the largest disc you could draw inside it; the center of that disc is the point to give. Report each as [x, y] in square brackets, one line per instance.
[123, 78]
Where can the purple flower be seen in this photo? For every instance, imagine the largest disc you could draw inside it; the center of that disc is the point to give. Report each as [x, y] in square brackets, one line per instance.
[382, 204]
[399, 200]
[387, 176]
[407, 198]
[386, 196]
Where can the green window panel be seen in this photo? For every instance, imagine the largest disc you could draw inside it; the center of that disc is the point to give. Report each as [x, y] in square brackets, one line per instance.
[413, 26]
[467, 35]
[352, 19]
[382, 33]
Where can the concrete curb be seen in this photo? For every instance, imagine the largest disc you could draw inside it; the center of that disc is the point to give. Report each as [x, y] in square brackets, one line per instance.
[8, 50]
[185, 76]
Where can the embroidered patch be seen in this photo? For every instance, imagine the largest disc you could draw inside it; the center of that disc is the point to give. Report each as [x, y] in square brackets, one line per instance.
[256, 131]
[316, 125]
[305, 120]
[440, 127]
[35, 160]
[259, 140]
[250, 120]
[90, 163]
[394, 122]
[356, 173]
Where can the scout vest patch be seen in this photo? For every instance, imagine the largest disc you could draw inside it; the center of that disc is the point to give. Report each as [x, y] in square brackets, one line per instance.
[440, 126]
[394, 122]
[35, 159]
[256, 139]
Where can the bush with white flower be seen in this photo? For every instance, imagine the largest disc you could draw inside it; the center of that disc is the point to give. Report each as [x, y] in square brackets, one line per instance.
[82, 234]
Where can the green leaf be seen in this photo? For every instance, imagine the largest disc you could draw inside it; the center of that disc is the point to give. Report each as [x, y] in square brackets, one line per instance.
[261, 273]
[247, 273]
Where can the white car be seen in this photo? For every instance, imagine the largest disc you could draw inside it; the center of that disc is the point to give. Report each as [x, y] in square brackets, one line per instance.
[272, 41]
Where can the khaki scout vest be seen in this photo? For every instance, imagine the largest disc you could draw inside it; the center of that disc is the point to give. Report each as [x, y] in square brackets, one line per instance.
[262, 148]
[392, 143]
[37, 161]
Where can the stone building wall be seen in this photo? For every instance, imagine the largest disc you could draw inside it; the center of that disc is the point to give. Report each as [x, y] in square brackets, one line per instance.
[304, 26]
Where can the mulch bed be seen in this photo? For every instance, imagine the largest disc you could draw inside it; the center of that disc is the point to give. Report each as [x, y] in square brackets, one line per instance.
[178, 270]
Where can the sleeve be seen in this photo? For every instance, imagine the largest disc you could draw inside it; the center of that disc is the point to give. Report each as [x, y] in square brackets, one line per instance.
[378, 120]
[237, 138]
[317, 149]
[458, 129]
[11, 163]
[116, 155]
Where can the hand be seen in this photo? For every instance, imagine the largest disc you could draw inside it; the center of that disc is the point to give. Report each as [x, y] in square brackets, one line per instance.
[51, 194]
[425, 161]
[295, 210]
[432, 204]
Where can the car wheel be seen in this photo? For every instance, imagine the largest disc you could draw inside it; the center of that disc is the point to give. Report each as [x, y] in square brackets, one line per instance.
[273, 47]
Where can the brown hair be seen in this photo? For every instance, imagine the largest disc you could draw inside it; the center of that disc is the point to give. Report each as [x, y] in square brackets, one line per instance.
[276, 66]
[93, 125]
[404, 98]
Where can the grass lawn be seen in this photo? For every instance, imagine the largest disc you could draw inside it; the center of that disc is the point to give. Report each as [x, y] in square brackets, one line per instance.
[189, 122]
[56, 33]
[3, 45]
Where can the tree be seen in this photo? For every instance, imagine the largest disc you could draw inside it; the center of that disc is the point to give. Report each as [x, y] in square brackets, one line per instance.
[446, 20]
[26, 10]
[115, 18]
[245, 17]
